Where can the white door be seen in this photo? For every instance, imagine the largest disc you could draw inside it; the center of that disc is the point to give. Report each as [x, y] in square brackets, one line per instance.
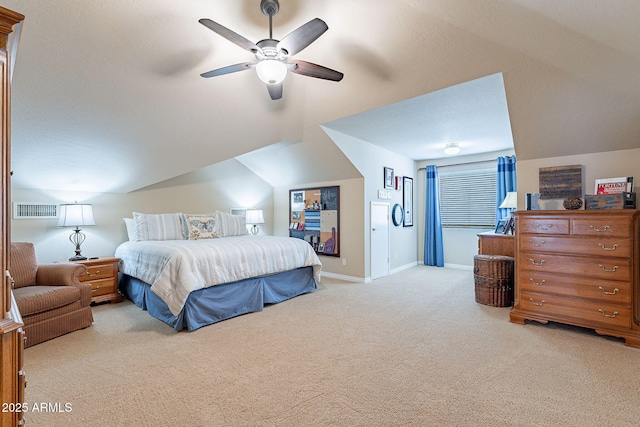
[379, 239]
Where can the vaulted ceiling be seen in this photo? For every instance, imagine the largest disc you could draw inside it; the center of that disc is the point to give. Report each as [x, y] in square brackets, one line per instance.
[107, 96]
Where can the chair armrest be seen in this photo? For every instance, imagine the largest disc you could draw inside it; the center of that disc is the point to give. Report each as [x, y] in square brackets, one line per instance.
[62, 274]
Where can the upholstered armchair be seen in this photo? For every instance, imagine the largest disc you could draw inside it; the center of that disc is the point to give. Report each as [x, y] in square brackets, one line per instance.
[51, 299]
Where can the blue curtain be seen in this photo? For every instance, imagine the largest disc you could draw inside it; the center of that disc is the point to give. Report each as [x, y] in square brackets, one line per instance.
[506, 182]
[433, 248]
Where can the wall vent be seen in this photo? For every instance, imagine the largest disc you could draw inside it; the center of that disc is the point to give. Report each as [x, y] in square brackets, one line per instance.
[23, 210]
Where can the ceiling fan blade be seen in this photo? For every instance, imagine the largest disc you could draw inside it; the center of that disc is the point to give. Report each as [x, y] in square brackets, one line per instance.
[228, 69]
[314, 70]
[275, 91]
[230, 35]
[303, 36]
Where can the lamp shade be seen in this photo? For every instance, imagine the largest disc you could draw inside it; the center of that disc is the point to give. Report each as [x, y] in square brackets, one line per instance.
[510, 202]
[255, 216]
[271, 71]
[76, 215]
[451, 148]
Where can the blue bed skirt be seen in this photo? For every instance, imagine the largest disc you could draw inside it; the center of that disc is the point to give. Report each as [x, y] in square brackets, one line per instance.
[220, 302]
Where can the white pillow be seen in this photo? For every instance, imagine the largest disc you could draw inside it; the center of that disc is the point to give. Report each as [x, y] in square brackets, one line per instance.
[158, 226]
[201, 226]
[130, 225]
[230, 225]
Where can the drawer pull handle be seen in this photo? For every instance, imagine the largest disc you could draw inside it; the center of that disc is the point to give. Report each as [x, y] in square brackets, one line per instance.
[544, 226]
[613, 248]
[538, 263]
[540, 283]
[541, 303]
[611, 316]
[615, 268]
[537, 243]
[94, 274]
[615, 291]
[600, 230]
[97, 287]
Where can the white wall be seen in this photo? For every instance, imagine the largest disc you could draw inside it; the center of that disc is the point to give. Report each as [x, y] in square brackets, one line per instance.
[609, 164]
[218, 187]
[370, 160]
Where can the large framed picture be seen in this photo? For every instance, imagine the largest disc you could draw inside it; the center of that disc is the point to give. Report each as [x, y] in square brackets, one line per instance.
[407, 198]
[389, 183]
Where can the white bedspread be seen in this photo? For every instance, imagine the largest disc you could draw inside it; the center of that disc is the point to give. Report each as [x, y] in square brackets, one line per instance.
[174, 268]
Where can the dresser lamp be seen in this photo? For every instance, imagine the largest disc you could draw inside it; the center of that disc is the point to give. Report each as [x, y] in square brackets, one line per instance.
[78, 216]
[255, 216]
[510, 202]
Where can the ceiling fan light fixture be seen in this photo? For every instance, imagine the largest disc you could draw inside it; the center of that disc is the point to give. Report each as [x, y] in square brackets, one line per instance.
[271, 71]
[451, 148]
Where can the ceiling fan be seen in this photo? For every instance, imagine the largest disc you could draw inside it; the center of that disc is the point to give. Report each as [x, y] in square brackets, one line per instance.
[273, 57]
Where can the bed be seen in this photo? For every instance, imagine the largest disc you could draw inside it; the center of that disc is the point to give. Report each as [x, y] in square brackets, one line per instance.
[191, 283]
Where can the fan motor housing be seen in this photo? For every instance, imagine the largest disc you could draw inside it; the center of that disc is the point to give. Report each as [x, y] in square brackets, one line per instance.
[269, 7]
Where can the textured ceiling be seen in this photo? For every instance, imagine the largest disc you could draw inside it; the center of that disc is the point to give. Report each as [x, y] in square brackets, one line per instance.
[107, 95]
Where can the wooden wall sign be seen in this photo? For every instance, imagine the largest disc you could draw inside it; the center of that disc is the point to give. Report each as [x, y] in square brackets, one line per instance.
[560, 182]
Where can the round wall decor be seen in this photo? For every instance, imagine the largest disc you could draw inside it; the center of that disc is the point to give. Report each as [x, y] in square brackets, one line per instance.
[397, 214]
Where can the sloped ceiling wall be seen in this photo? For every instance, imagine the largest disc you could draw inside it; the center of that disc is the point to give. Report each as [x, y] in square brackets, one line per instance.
[107, 95]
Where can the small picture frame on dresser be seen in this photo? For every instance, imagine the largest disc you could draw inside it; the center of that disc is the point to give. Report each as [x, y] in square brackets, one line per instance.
[510, 225]
[500, 226]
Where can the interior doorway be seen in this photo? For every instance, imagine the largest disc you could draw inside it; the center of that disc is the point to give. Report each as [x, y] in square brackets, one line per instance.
[379, 239]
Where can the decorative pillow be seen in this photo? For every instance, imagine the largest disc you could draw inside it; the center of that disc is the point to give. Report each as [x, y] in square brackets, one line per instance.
[201, 226]
[230, 225]
[130, 225]
[158, 226]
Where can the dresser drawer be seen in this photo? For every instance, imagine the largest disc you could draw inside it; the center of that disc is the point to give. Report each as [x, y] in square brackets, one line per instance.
[543, 226]
[589, 267]
[102, 287]
[575, 286]
[600, 246]
[101, 271]
[601, 227]
[589, 312]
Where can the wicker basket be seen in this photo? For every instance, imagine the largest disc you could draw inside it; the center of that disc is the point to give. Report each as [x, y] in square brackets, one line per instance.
[493, 275]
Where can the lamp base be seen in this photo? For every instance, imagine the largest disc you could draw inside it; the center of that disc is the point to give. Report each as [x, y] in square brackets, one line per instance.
[255, 230]
[77, 258]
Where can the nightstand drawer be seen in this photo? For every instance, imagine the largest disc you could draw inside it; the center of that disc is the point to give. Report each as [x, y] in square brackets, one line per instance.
[102, 287]
[101, 271]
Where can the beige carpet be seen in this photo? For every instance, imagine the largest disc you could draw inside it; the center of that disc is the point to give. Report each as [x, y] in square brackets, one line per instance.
[412, 349]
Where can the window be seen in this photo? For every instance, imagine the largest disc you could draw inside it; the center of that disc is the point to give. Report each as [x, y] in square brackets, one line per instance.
[468, 199]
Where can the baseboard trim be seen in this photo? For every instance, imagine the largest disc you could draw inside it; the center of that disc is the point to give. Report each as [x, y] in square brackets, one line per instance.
[342, 277]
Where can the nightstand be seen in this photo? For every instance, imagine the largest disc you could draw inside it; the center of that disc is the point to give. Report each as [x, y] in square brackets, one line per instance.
[102, 273]
[490, 243]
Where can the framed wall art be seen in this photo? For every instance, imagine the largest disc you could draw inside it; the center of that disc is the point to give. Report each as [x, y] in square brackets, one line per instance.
[314, 216]
[389, 182]
[407, 199]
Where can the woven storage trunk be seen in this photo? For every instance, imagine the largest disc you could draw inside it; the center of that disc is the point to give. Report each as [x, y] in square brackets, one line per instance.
[493, 276]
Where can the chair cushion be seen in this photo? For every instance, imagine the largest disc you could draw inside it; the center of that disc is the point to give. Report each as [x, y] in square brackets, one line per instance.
[23, 266]
[36, 299]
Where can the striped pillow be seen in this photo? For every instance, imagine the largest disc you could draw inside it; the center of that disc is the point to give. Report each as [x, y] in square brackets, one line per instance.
[230, 225]
[159, 226]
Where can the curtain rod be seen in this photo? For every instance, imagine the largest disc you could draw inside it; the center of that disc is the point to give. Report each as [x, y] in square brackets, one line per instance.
[461, 164]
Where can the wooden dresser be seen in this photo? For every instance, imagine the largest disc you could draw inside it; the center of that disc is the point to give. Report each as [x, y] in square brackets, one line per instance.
[580, 268]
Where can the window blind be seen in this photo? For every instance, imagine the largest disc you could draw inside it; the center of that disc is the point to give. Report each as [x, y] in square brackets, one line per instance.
[468, 199]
